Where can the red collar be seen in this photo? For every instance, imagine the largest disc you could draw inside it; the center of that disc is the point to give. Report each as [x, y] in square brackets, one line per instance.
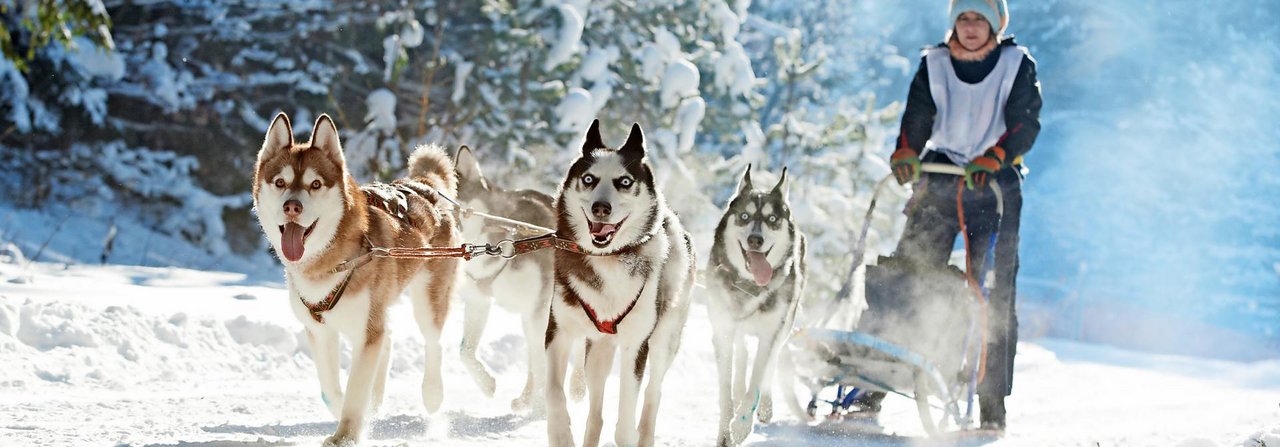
[610, 326]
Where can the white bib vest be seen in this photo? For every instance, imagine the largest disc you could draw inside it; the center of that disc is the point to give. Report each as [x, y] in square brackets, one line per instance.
[970, 117]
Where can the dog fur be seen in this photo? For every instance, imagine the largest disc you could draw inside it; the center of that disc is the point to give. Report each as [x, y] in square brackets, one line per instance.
[521, 285]
[756, 281]
[640, 265]
[316, 216]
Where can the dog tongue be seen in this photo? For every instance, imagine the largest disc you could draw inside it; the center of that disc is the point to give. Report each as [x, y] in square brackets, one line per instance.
[759, 267]
[291, 241]
[602, 229]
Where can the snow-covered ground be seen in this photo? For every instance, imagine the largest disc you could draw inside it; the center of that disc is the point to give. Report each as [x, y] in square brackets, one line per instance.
[125, 355]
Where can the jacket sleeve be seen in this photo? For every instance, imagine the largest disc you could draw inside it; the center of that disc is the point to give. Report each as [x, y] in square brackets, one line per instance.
[917, 119]
[1022, 112]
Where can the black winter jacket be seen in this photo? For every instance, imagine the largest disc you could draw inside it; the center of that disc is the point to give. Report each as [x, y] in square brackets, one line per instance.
[1021, 113]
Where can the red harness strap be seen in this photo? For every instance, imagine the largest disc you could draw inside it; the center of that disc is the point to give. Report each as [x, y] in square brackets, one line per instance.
[610, 326]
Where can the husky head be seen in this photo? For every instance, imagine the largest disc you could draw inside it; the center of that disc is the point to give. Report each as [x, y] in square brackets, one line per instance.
[608, 201]
[300, 190]
[756, 231]
[475, 192]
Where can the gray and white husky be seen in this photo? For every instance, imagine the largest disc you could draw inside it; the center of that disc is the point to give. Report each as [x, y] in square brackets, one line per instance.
[521, 285]
[626, 288]
[756, 280]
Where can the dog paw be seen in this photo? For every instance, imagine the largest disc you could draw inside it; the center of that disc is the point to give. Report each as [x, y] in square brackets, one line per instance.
[559, 438]
[765, 413]
[740, 427]
[340, 441]
[483, 379]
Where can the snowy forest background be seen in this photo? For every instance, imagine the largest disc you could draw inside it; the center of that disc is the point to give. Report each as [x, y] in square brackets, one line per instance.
[1150, 219]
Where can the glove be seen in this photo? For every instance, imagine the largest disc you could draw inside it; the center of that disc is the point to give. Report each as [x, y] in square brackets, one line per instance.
[983, 167]
[905, 163]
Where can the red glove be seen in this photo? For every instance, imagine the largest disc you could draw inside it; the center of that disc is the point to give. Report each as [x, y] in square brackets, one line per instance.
[905, 163]
[983, 167]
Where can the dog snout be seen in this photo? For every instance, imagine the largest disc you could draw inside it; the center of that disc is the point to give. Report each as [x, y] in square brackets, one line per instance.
[292, 208]
[755, 241]
[601, 210]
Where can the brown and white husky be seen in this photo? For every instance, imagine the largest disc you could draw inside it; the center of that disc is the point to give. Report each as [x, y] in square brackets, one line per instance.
[316, 217]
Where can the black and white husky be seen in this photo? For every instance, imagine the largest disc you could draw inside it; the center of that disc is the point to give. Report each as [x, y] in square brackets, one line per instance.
[755, 280]
[626, 288]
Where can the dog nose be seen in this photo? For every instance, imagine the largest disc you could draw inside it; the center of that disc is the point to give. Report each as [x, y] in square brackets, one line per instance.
[292, 208]
[755, 241]
[601, 209]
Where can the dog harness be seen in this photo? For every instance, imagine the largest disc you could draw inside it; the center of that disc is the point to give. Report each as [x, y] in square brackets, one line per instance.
[329, 300]
[609, 326]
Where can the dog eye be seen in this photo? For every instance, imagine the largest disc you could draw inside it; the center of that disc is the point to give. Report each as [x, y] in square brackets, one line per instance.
[625, 182]
[315, 184]
[279, 183]
[744, 216]
[773, 219]
[588, 179]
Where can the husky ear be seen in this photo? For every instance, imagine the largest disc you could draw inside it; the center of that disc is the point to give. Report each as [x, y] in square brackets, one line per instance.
[744, 185]
[324, 136]
[782, 188]
[634, 146]
[468, 168]
[279, 136]
[593, 140]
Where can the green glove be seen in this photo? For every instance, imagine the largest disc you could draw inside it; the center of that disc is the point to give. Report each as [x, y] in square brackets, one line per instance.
[982, 168]
[905, 163]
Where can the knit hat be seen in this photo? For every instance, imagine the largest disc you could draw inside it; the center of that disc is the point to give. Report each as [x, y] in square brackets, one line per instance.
[995, 11]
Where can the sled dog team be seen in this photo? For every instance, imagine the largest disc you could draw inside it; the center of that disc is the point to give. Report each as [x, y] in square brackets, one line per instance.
[617, 281]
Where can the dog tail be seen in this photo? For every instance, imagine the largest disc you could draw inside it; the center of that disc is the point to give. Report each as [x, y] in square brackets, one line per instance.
[430, 164]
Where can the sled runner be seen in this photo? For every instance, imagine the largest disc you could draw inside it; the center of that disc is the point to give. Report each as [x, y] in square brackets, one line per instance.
[921, 335]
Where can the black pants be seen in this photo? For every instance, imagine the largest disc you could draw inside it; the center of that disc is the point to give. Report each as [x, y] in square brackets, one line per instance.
[932, 227]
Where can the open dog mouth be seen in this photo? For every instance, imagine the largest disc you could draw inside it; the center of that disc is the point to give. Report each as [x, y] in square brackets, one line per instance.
[602, 233]
[292, 238]
[758, 264]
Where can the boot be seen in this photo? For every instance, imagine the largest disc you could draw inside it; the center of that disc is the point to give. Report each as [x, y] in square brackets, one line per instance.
[991, 412]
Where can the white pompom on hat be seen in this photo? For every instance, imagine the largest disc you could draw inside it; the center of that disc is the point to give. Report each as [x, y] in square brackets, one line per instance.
[995, 11]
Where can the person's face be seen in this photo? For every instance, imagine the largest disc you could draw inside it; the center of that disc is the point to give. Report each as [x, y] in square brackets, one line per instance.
[973, 30]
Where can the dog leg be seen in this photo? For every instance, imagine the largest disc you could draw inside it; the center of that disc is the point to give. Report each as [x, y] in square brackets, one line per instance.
[325, 350]
[632, 371]
[380, 376]
[722, 340]
[739, 364]
[764, 413]
[662, 353]
[359, 385]
[578, 381]
[559, 432]
[599, 363]
[786, 380]
[744, 417]
[475, 316]
[535, 330]
[425, 314]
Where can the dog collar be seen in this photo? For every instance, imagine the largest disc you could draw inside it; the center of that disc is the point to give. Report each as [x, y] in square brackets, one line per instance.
[609, 326]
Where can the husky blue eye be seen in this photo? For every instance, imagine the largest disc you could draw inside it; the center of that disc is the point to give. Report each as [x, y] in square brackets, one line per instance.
[773, 219]
[744, 216]
[589, 179]
[625, 182]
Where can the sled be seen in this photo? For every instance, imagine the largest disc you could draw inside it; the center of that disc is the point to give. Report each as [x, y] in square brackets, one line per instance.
[920, 336]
